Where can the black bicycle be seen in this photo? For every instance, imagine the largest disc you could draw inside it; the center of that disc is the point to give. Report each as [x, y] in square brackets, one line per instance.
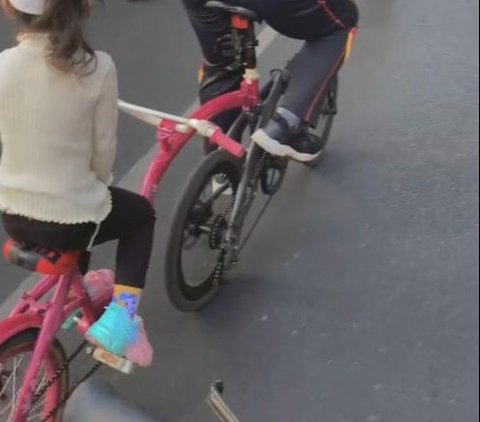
[212, 221]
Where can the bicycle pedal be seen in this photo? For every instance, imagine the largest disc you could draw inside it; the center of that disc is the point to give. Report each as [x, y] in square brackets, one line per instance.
[113, 361]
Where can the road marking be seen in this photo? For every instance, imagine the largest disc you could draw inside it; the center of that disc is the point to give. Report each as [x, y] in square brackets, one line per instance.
[131, 180]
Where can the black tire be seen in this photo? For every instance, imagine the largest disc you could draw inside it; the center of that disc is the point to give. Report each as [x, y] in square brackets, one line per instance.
[325, 124]
[183, 295]
[24, 342]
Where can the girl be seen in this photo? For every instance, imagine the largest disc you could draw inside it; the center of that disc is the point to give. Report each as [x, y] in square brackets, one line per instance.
[58, 123]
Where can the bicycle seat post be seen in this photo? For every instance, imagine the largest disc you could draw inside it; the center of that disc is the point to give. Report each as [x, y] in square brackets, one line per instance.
[246, 28]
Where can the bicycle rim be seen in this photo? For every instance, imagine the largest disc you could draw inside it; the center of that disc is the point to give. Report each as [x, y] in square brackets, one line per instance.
[196, 233]
[15, 355]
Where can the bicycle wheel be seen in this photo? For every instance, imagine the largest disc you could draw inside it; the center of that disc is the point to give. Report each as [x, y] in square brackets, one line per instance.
[325, 122]
[15, 356]
[196, 233]
[202, 216]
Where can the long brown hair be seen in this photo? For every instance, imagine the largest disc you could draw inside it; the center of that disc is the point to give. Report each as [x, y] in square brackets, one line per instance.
[62, 21]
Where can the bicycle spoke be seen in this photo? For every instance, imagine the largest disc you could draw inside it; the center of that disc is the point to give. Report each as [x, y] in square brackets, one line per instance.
[36, 408]
[13, 371]
[11, 384]
[13, 380]
[259, 216]
[2, 411]
[14, 395]
[41, 383]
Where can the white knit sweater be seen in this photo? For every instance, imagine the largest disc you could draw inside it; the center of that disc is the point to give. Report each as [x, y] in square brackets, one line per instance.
[58, 136]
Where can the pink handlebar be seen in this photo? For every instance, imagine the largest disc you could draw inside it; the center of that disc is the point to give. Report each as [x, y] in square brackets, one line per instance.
[227, 143]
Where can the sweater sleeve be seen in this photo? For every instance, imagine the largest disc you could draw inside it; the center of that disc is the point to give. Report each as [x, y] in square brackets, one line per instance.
[105, 127]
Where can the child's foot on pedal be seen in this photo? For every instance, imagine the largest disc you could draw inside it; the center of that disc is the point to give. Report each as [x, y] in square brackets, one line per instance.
[114, 330]
[117, 333]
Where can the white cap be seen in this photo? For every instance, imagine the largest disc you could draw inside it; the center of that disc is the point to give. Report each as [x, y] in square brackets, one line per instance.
[32, 7]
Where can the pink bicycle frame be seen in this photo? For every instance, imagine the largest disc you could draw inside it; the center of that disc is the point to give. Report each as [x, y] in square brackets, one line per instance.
[69, 295]
[172, 141]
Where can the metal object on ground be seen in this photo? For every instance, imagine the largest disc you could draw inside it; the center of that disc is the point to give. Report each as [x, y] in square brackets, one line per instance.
[218, 405]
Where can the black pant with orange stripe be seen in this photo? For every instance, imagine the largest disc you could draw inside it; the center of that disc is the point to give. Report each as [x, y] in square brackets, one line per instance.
[323, 24]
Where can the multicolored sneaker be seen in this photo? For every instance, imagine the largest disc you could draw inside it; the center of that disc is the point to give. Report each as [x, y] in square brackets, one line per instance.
[114, 331]
[140, 352]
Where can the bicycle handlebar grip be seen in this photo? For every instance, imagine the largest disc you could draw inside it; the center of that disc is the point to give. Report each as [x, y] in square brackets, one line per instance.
[227, 143]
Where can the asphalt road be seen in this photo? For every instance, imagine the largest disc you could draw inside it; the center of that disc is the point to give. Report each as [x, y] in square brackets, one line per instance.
[357, 298]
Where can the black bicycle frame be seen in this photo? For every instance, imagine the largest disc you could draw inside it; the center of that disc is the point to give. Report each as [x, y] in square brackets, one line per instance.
[248, 187]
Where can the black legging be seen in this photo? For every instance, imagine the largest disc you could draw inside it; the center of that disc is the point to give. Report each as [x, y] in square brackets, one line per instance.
[131, 221]
[323, 24]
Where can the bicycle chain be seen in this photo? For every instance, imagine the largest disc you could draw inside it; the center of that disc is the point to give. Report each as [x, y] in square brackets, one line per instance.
[80, 381]
[58, 373]
[219, 271]
[215, 235]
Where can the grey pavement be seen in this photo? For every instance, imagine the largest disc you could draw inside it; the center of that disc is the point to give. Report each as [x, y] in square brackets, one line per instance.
[357, 297]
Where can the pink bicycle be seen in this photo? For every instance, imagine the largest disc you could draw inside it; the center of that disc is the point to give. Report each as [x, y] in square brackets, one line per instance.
[34, 368]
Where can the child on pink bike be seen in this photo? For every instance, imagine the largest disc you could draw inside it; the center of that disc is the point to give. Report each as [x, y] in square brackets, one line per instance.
[58, 132]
